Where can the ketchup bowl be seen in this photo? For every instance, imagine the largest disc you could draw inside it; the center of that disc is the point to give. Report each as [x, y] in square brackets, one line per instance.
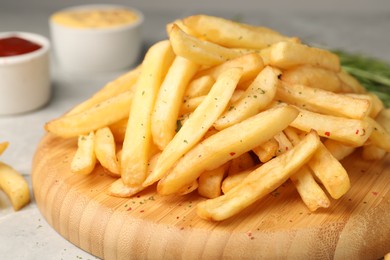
[24, 72]
[96, 38]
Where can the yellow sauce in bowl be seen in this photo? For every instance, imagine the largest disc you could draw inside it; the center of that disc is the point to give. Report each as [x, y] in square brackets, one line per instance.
[95, 18]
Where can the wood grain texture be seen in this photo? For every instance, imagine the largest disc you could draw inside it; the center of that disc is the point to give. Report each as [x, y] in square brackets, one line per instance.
[149, 226]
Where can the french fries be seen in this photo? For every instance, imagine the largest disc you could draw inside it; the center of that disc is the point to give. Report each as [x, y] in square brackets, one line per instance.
[259, 182]
[201, 52]
[198, 124]
[13, 184]
[84, 160]
[233, 34]
[226, 145]
[231, 111]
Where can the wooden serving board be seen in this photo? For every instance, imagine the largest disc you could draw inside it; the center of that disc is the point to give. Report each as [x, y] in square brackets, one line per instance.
[150, 226]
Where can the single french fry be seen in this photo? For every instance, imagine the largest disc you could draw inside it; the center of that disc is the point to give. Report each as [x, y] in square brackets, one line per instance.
[190, 105]
[323, 101]
[372, 152]
[3, 147]
[118, 129]
[123, 83]
[259, 182]
[225, 146]
[209, 182]
[233, 34]
[313, 76]
[198, 124]
[14, 186]
[383, 119]
[376, 105]
[350, 84]
[199, 51]
[105, 151]
[138, 138]
[251, 65]
[379, 136]
[234, 179]
[242, 162]
[119, 189]
[330, 172]
[267, 150]
[354, 132]
[257, 97]
[84, 160]
[199, 87]
[103, 114]
[286, 55]
[168, 101]
[338, 149]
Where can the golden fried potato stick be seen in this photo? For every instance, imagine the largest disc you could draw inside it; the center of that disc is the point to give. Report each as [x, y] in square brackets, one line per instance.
[3, 147]
[379, 136]
[105, 150]
[256, 97]
[286, 55]
[169, 100]
[337, 149]
[119, 189]
[251, 65]
[14, 185]
[209, 182]
[266, 151]
[350, 84]
[354, 132]
[259, 182]
[84, 160]
[226, 145]
[118, 129]
[199, 51]
[138, 138]
[103, 114]
[313, 76]
[199, 87]
[233, 34]
[371, 152]
[123, 83]
[198, 124]
[323, 101]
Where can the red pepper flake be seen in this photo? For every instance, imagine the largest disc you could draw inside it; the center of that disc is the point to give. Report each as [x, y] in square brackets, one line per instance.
[327, 133]
[357, 132]
[232, 153]
[129, 209]
[375, 193]
[286, 148]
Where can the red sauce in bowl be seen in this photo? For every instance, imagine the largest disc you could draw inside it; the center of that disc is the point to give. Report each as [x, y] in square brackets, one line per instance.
[12, 46]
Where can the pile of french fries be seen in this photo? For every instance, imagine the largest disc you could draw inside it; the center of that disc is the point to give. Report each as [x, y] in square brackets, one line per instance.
[13, 184]
[231, 111]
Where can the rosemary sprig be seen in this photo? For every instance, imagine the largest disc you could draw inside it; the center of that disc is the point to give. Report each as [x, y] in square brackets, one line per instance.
[372, 73]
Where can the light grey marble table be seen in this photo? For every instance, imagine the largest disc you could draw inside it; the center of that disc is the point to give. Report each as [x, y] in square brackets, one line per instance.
[26, 234]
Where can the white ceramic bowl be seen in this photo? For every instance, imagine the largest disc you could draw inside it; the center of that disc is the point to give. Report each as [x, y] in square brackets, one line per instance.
[25, 78]
[97, 49]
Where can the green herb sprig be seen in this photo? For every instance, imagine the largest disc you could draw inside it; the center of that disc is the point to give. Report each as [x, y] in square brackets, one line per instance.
[373, 74]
